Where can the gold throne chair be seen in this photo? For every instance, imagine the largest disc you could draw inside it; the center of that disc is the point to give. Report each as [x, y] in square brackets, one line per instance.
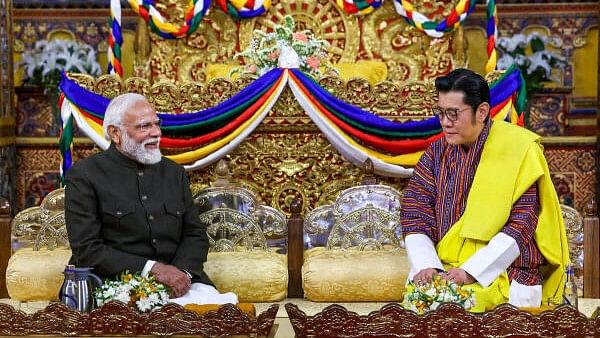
[248, 240]
[354, 247]
[40, 250]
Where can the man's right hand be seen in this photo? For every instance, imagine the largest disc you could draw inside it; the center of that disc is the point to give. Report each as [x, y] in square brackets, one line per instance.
[177, 280]
[425, 275]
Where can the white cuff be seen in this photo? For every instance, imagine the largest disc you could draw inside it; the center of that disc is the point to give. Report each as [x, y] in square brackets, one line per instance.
[524, 295]
[147, 267]
[421, 254]
[490, 261]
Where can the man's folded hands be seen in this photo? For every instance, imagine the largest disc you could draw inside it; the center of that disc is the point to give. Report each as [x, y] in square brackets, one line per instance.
[177, 280]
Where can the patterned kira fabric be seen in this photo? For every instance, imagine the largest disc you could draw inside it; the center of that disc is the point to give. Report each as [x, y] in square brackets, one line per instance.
[437, 194]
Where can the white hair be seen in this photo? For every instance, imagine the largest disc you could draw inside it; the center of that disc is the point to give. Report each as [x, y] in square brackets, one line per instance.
[117, 108]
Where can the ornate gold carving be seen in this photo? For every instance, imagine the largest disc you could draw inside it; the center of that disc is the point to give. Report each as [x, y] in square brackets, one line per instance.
[43, 226]
[235, 221]
[574, 227]
[321, 17]
[408, 53]
[365, 217]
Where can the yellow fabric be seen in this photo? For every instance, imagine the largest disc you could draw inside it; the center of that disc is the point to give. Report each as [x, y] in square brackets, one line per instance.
[454, 250]
[247, 308]
[354, 276]
[512, 160]
[260, 276]
[372, 71]
[220, 70]
[36, 275]
[210, 148]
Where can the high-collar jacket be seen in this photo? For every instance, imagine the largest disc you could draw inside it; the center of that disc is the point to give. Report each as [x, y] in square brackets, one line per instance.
[121, 213]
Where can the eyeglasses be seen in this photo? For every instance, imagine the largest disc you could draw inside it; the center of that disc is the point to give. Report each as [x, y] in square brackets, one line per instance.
[451, 113]
[147, 126]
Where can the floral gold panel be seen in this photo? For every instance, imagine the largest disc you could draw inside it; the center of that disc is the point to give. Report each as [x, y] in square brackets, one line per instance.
[38, 172]
[573, 171]
[383, 35]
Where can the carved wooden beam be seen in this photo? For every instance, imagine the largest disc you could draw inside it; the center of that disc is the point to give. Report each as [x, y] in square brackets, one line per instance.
[449, 320]
[295, 250]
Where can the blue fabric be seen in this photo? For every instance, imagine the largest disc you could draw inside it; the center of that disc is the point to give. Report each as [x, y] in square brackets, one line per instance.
[364, 117]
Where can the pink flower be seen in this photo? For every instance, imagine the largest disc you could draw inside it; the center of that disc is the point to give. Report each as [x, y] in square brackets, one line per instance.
[313, 62]
[300, 37]
[252, 68]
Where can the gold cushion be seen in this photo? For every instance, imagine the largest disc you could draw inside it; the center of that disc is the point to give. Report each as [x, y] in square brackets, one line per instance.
[354, 276]
[372, 71]
[259, 276]
[36, 275]
[220, 70]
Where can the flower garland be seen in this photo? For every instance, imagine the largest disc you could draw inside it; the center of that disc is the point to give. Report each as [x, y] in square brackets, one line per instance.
[492, 36]
[284, 48]
[361, 7]
[115, 39]
[426, 297]
[244, 9]
[143, 293]
[193, 16]
[432, 28]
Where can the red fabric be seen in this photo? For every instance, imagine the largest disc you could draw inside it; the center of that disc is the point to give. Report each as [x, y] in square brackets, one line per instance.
[169, 142]
[394, 147]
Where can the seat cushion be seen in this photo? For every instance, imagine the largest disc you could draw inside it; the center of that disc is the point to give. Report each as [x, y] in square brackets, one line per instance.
[354, 276]
[36, 275]
[259, 276]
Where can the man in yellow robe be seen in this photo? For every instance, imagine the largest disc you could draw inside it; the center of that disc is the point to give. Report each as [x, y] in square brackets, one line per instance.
[480, 208]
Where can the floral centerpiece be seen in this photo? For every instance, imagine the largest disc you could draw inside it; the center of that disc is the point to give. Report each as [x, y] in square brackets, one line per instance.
[44, 64]
[284, 48]
[143, 293]
[426, 297]
[528, 52]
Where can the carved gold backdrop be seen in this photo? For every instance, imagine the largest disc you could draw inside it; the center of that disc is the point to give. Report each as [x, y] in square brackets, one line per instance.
[287, 156]
[383, 35]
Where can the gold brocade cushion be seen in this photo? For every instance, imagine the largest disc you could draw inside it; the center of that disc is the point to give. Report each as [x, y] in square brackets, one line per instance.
[220, 70]
[354, 276]
[255, 276]
[36, 275]
[372, 71]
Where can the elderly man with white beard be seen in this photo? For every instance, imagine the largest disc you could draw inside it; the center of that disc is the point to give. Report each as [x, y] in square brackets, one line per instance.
[129, 208]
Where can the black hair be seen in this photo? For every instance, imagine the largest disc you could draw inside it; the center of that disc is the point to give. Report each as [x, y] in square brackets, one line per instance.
[474, 87]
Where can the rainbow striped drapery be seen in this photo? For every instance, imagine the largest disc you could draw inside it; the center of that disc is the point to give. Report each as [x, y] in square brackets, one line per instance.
[212, 133]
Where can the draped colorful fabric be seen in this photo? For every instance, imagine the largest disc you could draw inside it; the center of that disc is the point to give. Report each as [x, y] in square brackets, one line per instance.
[193, 16]
[115, 39]
[360, 7]
[212, 133]
[244, 9]
[434, 29]
[492, 36]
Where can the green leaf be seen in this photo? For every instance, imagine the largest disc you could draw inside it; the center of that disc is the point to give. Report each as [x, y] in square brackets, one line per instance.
[537, 44]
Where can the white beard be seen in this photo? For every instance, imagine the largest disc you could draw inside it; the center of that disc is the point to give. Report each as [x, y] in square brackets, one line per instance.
[138, 150]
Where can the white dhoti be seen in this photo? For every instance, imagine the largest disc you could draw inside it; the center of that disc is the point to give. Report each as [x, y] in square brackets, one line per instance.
[205, 294]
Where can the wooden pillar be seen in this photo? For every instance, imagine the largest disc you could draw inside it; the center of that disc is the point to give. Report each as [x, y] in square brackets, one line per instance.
[295, 250]
[5, 247]
[591, 252]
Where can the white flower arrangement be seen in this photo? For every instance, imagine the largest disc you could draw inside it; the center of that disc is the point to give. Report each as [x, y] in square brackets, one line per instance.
[143, 293]
[535, 64]
[286, 49]
[426, 297]
[48, 59]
